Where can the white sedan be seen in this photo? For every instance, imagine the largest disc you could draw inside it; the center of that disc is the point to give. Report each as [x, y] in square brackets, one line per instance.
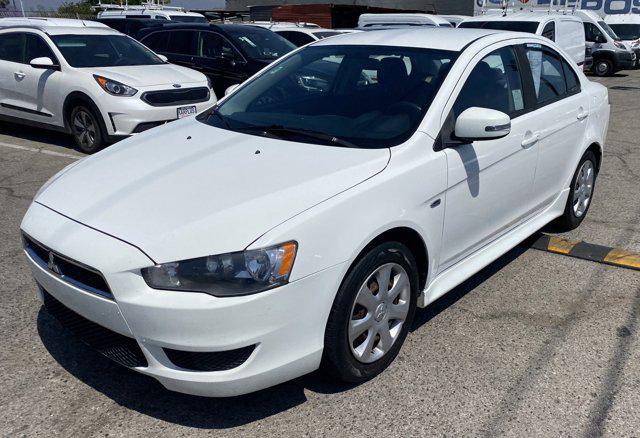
[299, 223]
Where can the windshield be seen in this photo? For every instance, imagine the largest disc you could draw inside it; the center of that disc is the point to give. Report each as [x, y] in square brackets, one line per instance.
[355, 96]
[188, 19]
[103, 51]
[626, 31]
[258, 43]
[609, 31]
[514, 26]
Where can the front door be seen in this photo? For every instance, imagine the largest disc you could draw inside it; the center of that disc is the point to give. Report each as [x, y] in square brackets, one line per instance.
[489, 182]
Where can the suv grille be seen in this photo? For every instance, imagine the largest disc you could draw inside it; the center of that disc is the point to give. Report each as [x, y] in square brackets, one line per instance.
[209, 361]
[66, 269]
[176, 97]
[119, 348]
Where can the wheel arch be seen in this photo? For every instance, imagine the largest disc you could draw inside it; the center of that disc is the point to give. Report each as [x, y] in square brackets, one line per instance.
[410, 238]
[77, 97]
[596, 148]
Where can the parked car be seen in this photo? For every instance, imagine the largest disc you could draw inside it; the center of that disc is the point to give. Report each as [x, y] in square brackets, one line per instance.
[291, 228]
[610, 54]
[565, 29]
[157, 12]
[627, 28]
[130, 26]
[91, 81]
[381, 21]
[227, 53]
[299, 36]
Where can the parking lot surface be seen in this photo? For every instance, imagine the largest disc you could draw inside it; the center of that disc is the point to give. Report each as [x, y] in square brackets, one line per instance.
[537, 344]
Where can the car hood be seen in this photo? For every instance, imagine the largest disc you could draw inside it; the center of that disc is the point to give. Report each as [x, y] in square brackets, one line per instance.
[151, 75]
[187, 189]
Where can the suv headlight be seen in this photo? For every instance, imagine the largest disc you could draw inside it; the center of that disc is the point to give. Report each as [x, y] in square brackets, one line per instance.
[620, 45]
[114, 88]
[225, 275]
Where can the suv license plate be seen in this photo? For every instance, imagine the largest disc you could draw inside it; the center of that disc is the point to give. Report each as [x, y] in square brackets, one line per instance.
[186, 111]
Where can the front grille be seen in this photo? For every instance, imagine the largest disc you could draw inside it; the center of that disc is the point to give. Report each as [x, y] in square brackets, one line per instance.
[144, 126]
[209, 361]
[176, 97]
[66, 269]
[119, 348]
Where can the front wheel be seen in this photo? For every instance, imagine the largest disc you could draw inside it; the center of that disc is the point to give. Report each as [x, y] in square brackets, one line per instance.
[603, 67]
[580, 194]
[371, 314]
[85, 129]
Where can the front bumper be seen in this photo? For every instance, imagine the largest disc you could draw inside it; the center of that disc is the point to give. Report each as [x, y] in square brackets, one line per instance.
[125, 116]
[624, 60]
[285, 325]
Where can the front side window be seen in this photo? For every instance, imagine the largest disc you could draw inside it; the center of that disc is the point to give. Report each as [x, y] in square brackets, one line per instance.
[549, 31]
[627, 32]
[103, 51]
[592, 34]
[37, 48]
[547, 72]
[353, 96]
[259, 43]
[12, 47]
[494, 83]
[213, 45]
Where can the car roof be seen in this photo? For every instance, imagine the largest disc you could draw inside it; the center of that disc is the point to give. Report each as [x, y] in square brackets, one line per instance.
[303, 29]
[439, 38]
[168, 25]
[392, 18]
[522, 16]
[57, 26]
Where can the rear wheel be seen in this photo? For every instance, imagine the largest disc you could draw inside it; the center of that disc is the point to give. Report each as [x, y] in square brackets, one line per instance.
[580, 194]
[85, 129]
[372, 314]
[603, 67]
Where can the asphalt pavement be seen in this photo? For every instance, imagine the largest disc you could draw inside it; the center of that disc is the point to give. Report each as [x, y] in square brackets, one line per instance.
[537, 344]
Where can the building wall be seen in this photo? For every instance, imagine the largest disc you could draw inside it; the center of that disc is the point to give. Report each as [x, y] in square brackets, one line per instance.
[464, 7]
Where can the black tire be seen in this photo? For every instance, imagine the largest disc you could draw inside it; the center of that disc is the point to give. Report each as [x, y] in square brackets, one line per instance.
[602, 67]
[86, 129]
[338, 359]
[569, 220]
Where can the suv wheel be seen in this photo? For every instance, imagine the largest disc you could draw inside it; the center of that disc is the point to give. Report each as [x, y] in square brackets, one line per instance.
[85, 129]
[371, 314]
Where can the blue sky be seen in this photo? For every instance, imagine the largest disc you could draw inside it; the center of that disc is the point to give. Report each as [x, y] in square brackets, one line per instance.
[194, 4]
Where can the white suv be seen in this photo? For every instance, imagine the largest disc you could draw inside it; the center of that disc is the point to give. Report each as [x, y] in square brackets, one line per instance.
[89, 80]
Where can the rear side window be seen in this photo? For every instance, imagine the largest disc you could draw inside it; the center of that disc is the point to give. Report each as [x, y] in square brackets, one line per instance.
[549, 31]
[157, 41]
[297, 38]
[12, 47]
[573, 83]
[37, 48]
[182, 42]
[494, 83]
[547, 72]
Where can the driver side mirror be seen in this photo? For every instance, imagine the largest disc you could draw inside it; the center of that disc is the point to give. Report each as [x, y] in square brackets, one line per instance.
[600, 39]
[475, 124]
[162, 57]
[44, 63]
[231, 89]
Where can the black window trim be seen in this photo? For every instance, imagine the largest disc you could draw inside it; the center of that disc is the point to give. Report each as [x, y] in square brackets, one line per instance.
[55, 59]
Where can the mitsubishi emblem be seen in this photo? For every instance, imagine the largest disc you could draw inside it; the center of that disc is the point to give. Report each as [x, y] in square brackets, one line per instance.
[52, 264]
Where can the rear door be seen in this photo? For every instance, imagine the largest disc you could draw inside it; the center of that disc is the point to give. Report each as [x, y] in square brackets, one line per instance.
[489, 182]
[561, 111]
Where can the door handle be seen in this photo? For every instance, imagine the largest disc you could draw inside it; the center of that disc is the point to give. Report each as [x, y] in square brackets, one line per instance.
[529, 140]
[582, 115]
[19, 75]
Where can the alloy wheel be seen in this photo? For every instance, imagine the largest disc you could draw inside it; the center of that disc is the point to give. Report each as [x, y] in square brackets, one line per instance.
[583, 188]
[379, 312]
[84, 128]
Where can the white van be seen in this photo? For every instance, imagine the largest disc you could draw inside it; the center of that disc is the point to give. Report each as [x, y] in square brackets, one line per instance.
[149, 10]
[377, 21]
[610, 54]
[627, 27]
[565, 29]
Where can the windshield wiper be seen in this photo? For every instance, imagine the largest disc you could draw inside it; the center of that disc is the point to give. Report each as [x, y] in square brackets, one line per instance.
[280, 130]
[216, 112]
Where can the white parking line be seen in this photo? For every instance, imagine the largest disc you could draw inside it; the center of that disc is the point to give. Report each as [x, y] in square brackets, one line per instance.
[42, 151]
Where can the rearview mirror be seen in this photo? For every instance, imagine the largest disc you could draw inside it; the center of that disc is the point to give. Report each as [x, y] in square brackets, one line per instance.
[162, 57]
[44, 63]
[231, 89]
[482, 124]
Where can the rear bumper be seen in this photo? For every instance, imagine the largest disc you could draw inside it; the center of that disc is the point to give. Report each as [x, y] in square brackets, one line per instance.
[284, 326]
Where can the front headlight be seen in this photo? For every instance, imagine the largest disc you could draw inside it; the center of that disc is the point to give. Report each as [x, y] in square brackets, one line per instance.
[232, 274]
[620, 45]
[114, 87]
